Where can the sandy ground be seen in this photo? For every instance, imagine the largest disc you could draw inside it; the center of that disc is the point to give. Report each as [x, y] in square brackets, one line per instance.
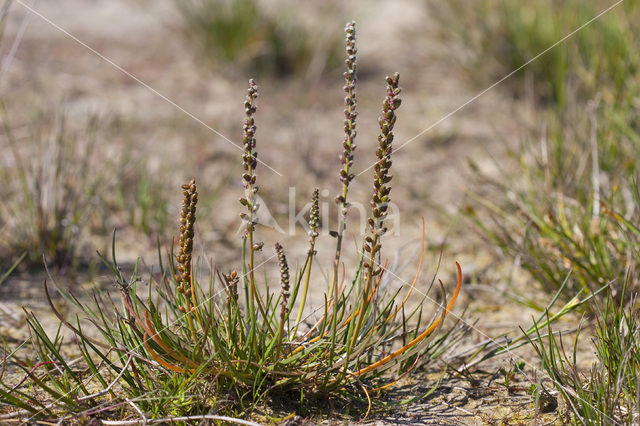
[126, 60]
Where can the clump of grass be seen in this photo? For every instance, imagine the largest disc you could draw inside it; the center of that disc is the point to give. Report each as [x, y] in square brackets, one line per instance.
[498, 37]
[243, 33]
[574, 205]
[62, 200]
[53, 204]
[141, 199]
[314, 223]
[571, 203]
[608, 393]
[569, 215]
[191, 345]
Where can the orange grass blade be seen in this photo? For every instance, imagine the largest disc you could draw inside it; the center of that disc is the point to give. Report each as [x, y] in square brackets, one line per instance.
[148, 328]
[411, 287]
[348, 320]
[422, 336]
[127, 302]
[388, 385]
[351, 317]
[157, 357]
[170, 352]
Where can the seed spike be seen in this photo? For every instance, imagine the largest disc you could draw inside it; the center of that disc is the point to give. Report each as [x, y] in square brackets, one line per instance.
[350, 114]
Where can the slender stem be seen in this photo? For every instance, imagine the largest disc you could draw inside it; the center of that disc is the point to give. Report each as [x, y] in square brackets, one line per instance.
[334, 325]
[367, 290]
[305, 287]
[254, 293]
[350, 114]
[380, 200]
[341, 228]
[252, 285]
[314, 222]
[192, 328]
[250, 162]
[279, 342]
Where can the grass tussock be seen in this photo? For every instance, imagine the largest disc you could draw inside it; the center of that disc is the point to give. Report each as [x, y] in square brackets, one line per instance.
[573, 205]
[63, 199]
[54, 204]
[252, 37]
[190, 344]
[570, 215]
[568, 212]
[497, 37]
[606, 393]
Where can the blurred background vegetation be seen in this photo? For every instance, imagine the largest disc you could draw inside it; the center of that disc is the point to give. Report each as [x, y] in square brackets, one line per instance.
[259, 40]
[567, 200]
[570, 200]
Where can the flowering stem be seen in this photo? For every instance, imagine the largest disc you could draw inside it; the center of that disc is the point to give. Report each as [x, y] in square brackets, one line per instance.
[284, 298]
[314, 222]
[184, 277]
[381, 190]
[348, 145]
[250, 161]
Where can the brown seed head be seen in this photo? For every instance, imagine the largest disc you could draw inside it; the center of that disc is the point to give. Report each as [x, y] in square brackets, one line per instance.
[350, 100]
[187, 221]
[314, 215]
[232, 282]
[249, 156]
[284, 280]
[382, 177]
